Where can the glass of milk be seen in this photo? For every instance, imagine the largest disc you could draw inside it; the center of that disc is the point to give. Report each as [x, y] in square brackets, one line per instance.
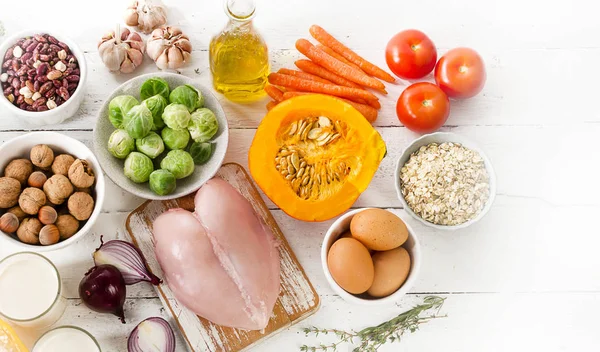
[66, 339]
[30, 291]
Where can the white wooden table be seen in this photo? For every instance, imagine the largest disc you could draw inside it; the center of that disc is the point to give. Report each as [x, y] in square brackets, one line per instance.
[526, 278]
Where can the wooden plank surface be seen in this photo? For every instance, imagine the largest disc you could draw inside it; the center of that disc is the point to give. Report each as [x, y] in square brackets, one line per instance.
[297, 298]
[524, 279]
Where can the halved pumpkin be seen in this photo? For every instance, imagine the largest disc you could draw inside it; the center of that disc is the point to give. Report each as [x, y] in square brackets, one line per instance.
[314, 155]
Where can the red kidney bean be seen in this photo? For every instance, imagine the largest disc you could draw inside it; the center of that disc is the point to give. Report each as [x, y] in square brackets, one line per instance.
[41, 101]
[31, 71]
[7, 63]
[42, 69]
[50, 93]
[58, 101]
[64, 93]
[52, 40]
[15, 65]
[20, 99]
[9, 53]
[63, 45]
[40, 38]
[31, 47]
[27, 42]
[45, 87]
[45, 57]
[72, 78]
[16, 84]
[42, 79]
[42, 108]
[56, 83]
[36, 86]
[29, 86]
[72, 87]
[8, 91]
[26, 57]
[22, 70]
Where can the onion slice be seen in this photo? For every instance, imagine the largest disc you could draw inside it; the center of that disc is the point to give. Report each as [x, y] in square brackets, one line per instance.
[128, 259]
[152, 335]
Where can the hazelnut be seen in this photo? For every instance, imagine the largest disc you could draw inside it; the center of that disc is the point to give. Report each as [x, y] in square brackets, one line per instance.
[10, 189]
[18, 212]
[47, 215]
[37, 179]
[61, 164]
[29, 231]
[31, 200]
[42, 156]
[81, 174]
[67, 226]
[49, 235]
[19, 169]
[58, 189]
[81, 205]
[9, 223]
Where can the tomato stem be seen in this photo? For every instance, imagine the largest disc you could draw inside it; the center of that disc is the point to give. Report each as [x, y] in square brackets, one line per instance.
[427, 103]
[463, 69]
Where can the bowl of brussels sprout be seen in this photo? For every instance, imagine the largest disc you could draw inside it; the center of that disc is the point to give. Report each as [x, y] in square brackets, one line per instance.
[161, 136]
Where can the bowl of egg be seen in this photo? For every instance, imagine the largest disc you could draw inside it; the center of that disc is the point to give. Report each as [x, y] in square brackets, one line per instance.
[370, 256]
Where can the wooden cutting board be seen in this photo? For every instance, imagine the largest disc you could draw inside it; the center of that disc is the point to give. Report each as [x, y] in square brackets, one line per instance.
[297, 298]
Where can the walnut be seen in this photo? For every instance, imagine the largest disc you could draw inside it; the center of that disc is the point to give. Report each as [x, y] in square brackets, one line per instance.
[81, 174]
[19, 169]
[58, 189]
[42, 156]
[29, 231]
[67, 226]
[10, 189]
[81, 205]
[31, 200]
[18, 212]
[61, 164]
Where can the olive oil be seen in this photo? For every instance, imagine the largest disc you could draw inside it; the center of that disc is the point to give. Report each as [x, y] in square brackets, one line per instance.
[239, 58]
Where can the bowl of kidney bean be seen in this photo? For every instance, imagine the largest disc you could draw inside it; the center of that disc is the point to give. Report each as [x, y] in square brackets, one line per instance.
[42, 77]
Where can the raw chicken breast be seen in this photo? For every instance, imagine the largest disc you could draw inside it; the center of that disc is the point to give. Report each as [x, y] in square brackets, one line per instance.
[220, 261]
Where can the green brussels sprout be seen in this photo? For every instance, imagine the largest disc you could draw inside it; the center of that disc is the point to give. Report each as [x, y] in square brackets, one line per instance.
[162, 182]
[175, 139]
[179, 162]
[176, 116]
[118, 107]
[188, 96]
[151, 145]
[138, 121]
[154, 86]
[138, 167]
[201, 152]
[120, 144]
[203, 125]
[156, 104]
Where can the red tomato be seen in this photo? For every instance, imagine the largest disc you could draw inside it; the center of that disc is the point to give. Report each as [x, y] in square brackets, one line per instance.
[410, 54]
[460, 73]
[423, 107]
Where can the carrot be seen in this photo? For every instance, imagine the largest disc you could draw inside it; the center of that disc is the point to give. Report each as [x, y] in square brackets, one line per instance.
[304, 75]
[274, 92]
[331, 52]
[272, 104]
[279, 79]
[328, 40]
[374, 104]
[311, 67]
[368, 112]
[322, 58]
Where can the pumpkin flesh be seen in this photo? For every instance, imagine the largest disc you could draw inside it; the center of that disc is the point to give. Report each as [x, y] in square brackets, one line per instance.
[313, 155]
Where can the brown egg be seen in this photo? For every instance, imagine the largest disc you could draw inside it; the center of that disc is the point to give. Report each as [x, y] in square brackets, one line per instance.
[391, 270]
[350, 265]
[378, 229]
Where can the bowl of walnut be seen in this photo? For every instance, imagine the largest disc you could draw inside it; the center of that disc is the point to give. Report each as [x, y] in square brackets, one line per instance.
[445, 181]
[51, 191]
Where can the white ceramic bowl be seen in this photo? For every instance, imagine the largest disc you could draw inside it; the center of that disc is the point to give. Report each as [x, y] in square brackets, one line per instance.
[412, 246]
[114, 167]
[60, 113]
[441, 137]
[20, 147]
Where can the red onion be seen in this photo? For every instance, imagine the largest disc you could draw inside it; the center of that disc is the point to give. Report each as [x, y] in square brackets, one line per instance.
[103, 290]
[152, 335]
[128, 259]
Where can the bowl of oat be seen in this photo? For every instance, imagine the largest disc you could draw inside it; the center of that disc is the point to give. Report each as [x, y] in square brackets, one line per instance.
[445, 181]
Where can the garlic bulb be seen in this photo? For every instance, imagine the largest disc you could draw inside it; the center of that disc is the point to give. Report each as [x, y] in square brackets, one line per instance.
[146, 15]
[123, 52]
[169, 48]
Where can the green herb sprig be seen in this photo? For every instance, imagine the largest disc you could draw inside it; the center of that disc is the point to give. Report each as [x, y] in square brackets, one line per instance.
[371, 338]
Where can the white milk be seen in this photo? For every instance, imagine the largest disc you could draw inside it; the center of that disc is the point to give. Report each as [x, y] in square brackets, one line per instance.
[30, 291]
[66, 339]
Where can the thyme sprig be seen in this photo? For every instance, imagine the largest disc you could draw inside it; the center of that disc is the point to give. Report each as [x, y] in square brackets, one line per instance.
[371, 338]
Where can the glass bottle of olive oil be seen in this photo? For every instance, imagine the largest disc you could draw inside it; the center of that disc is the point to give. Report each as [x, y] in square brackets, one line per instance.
[239, 58]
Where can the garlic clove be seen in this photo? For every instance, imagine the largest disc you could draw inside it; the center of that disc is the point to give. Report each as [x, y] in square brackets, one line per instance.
[175, 58]
[162, 61]
[136, 56]
[127, 66]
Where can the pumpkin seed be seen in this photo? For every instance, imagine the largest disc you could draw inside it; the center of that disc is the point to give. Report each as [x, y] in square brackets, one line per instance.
[300, 173]
[323, 136]
[314, 133]
[301, 127]
[307, 129]
[278, 167]
[334, 137]
[285, 153]
[303, 164]
[295, 161]
[324, 141]
[289, 177]
[324, 121]
[305, 180]
[293, 128]
[291, 170]
[284, 172]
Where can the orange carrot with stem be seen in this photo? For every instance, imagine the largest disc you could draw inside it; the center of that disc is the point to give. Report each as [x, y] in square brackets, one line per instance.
[274, 92]
[311, 67]
[350, 73]
[279, 79]
[328, 40]
[305, 75]
[331, 52]
[368, 112]
[272, 104]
